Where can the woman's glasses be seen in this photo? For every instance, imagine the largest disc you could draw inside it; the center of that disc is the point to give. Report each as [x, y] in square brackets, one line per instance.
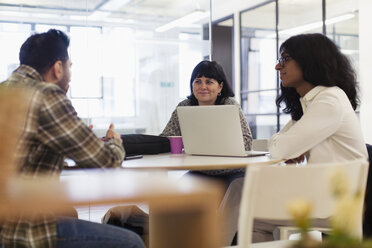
[283, 60]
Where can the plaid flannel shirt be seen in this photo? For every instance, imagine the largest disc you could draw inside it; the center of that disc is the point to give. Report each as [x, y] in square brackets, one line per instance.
[52, 132]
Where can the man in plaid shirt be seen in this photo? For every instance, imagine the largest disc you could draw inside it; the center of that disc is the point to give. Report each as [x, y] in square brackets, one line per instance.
[51, 133]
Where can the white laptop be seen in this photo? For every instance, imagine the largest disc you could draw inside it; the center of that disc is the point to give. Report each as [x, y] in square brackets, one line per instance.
[213, 130]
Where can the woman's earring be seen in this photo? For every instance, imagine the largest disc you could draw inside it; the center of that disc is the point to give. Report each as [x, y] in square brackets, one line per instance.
[219, 94]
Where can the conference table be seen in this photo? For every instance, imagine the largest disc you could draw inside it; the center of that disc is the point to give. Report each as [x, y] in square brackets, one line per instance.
[169, 161]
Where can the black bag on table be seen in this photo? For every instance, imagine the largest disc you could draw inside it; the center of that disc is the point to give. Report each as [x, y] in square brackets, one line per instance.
[145, 144]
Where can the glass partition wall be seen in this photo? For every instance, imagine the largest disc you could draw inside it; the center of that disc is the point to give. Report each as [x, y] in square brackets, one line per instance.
[132, 60]
[263, 28]
[258, 55]
[342, 27]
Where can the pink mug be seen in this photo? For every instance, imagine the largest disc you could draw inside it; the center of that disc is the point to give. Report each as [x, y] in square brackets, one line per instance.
[176, 144]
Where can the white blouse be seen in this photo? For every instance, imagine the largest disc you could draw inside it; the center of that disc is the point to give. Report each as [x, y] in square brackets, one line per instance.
[328, 131]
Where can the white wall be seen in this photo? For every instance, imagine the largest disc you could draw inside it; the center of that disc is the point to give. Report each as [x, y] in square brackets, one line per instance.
[365, 63]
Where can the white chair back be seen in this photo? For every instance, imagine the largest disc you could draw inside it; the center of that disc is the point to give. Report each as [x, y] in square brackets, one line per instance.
[268, 190]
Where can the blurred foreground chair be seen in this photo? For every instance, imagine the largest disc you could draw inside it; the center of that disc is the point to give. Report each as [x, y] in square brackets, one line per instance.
[13, 107]
[268, 190]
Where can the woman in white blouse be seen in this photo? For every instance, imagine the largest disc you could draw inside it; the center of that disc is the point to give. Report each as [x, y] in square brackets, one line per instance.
[320, 92]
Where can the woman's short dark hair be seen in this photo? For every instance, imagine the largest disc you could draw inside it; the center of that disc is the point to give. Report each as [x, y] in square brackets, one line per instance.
[322, 63]
[211, 69]
[41, 51]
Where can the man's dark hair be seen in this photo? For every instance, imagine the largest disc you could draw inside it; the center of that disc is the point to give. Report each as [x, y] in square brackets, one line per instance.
[322, 63]
[41, 51]
[211, 69]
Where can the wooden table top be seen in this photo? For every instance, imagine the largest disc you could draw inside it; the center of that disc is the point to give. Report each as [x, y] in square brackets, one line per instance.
[96, 186]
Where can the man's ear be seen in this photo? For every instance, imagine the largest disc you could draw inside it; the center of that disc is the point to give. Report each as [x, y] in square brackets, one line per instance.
[57, 70]
[54, 73]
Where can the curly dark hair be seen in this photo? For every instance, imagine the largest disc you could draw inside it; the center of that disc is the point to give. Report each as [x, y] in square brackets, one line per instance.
[211, 69]
[322, 63]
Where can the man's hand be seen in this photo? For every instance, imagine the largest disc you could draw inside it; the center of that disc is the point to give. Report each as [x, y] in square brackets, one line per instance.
[111, 134]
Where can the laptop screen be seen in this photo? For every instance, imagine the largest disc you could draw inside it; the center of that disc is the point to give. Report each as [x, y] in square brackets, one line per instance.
[211, 130]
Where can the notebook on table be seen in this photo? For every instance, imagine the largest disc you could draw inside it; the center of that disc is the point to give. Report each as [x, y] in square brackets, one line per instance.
[213, 130]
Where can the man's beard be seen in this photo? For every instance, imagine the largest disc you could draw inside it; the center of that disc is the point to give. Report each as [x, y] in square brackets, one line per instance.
[65, 80]
[63, 84]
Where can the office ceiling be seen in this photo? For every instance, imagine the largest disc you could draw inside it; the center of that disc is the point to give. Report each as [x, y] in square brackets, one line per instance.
[144, 13]
[150, 14]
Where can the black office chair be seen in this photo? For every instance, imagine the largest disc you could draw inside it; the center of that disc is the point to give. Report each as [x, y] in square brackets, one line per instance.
[367, 220]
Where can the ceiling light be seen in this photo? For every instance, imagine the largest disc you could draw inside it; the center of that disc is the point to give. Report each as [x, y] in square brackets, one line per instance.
[315, 25]
[13, 13]
[193, 17]
[339, 19]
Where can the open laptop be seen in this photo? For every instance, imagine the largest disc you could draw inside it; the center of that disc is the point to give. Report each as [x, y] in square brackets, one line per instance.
[213, 130]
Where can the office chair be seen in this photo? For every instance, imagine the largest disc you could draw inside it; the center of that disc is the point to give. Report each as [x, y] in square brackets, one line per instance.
[268, 189]
[367, 218]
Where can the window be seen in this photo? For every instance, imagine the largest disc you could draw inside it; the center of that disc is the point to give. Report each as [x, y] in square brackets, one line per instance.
[12, 36]
[343, 28]
[131, 62]
[258, 56]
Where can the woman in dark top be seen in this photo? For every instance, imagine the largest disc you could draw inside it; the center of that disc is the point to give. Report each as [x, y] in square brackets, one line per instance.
[209, 86]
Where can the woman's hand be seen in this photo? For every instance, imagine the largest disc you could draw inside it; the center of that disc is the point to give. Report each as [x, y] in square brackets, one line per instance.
[297, 160]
